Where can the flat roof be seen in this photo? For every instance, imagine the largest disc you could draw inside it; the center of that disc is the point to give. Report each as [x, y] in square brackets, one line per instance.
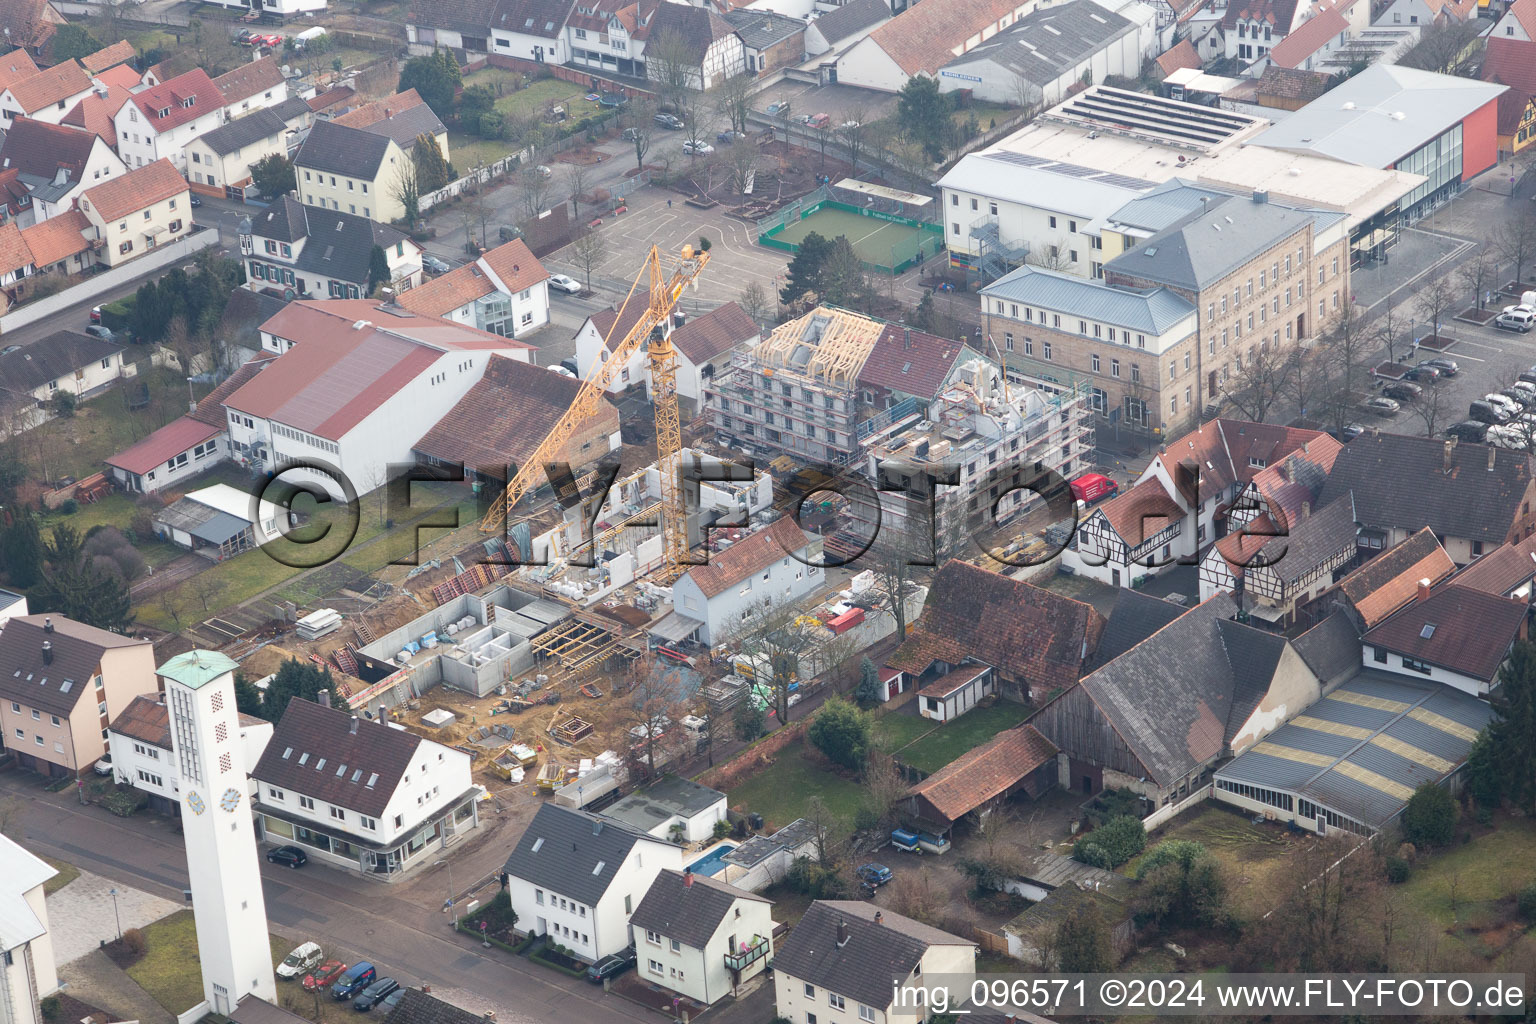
[1357, 192]
[1363, 749]
[1188, 126]
[1033, 180]
[1381, 115]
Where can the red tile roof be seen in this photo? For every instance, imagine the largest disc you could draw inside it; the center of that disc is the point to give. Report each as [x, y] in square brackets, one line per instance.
[57, 238]
[15, 66]
[147, 720]
[517, 267]
[1511, 62]
[1297, 479]
[139, 189]
[14, 254]
[1524, 11]
[249, 79]
[183, 98]
[169, 441]
[50, 86]
[1182, 55]
[1471, 630]
[988, 771]
[1502, 569]
[1279, 13]
[1312, 36]
[211, 409]
[109, 56]
[372, 113]
[1142, 511]
[332, 97]
[720, 330]
[748, 556]
[1387, 582]
[925, 37]
[442, 295]
[911, 362]
[1224, 449]
[94, 114]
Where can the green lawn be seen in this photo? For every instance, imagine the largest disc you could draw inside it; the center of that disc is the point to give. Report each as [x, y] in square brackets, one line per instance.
[971, 729]
[67, 873]
[466, 151]
[536, 99]
[898, 728]
[77, 445]
[1489, 869]
[779, 793]
[1252, 856]
[171, 950]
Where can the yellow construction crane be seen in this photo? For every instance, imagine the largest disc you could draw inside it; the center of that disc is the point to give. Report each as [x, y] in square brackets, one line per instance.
[663, 289]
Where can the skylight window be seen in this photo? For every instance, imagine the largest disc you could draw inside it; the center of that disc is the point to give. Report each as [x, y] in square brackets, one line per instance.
[372, 779]
[599, 869]
[1428, 631]
[320, 764]
[287, 752]
[304, 758]
[538, 844]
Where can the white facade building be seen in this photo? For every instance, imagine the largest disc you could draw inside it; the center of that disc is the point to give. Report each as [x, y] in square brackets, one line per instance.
[139, 740]
[27, 973]
[159, 122]
[700, 938]
[766, 569]
[700, 343]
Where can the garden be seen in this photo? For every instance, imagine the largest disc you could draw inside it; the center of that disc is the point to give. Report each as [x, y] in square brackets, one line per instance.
[941, 746]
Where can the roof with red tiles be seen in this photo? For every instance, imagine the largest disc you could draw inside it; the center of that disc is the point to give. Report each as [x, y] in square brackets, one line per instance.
[986, 772]
[1310, 37]
[1501, 570]
[442, 295]
[139, 189]
[50, 86]
[1296, 480]
[181, 99]
[1387, 582]
[15, 66]
[721, 329]
[1276, 13]
[1181, 55]
[57, 238]
[177, 436]
[1141, 512]
[515, 265]
[211, 409]
[109, 56]
[1511, 62]
[14, 254]
[1456, 628]
[1228, 451]
[910, 362]
[747, 556]
[95, 114]
[925, 37]
[335, 96]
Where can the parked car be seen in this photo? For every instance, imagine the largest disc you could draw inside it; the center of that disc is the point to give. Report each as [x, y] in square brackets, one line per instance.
[1093, 488]
[324, 975]
[103, 765]
[1380, 406]
[1524, 399]
[1529, 376]
[392, 1000]
[290, 856]
[374, 994]
[544, 171]
[1350, 431]
[629, 134]
[1508, 406]
[195, 199]
[874, 874]
[1487, 412]
[509, 232]
[7, 351]
[1515, 320]
[98, 331]
[245, 37]
[819, 121]
[272, 39]
[304, 958]
[569, 365]
[1447, 367]
[1508, 437]
[1422, 372]
[434, 264]
[1467, 430]
[1402, 390]
[693, 147]
[730, 135]
[671, 122]
[848, 126]
[561, 283]
[358, 977]
[775, 109]
[611, 966]
[95, 314]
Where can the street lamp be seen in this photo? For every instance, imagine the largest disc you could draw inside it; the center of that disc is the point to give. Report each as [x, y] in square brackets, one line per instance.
[191, 398]
[113, 893]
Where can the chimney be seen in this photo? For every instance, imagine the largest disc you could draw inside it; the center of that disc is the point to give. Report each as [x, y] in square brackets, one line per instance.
[1423, 594]
[879, 917]
[47, 652]
[388, 113]
[1306, 509]
[1492, 451]
[906, 341]
[325, 698]
[352, 725]
[47, 624]
[842, 933]
[1450, 446]
[687, 879]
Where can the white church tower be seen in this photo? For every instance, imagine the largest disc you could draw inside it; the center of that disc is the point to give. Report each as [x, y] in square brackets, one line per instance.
[227, 900]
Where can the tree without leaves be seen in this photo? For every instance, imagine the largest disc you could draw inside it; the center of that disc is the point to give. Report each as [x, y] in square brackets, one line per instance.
[754, 301]
[407, 192]
[743, 159]
[777, 638]
[534, 191]
[587, 252]
[852, 134]
[1389, 328]
[733, 101]
[1259, 383]
[1436, 301]
[1434, 405]
[577, 178]
[1516, 239]
[669, 62]
[1477, 272]
[1444, 48]
[1345, 344]
[642, 124]
[652, 703]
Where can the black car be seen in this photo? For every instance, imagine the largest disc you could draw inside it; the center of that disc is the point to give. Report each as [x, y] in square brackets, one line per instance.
[1468, 430]
[1422, 372]
[669, 121]
[374, 994]
[611, 966]
[196, 200]
[1402, 390]
[292, 856]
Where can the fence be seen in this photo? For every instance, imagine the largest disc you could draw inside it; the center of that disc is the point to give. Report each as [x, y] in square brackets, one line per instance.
[157, 259]
[905, 252]
[1168, 811]
[477, 177]
[797, 210]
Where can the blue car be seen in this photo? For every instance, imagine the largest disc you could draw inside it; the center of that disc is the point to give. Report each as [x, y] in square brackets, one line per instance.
[350, 985]
[874, 874]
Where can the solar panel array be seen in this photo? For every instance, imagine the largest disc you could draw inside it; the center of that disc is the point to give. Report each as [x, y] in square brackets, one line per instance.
[1071, 170]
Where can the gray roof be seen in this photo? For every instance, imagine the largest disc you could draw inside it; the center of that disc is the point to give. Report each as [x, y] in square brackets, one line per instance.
[336, 244]
[574, 853]
[201, 521]
[1134, 617]
[53, 683]
[875, 956]
[243, 131]
[1165, 205]
[408, 125]
[1208, 245]
[255, 1010]
[60, 354]
[1401, 481]
[1331, 648]
[1380, 115]
[689, 912]
[644, 809]
[1362, 749]
[337, 149]
[292, 109]
[1035, 181]
[418, 1007]
[761, 29]
[852, 17]
[1151, 312]
[1049, 42]
[1311, 541]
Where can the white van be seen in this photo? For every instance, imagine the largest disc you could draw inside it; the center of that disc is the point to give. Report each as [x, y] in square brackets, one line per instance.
[304, 38]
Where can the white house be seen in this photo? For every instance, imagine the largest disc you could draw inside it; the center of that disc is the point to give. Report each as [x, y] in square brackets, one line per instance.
[700, 938]
[708, 44]
[158, 122]
[365, 794]
[254, 85]
[922, 39]
[671, 809]
[63, 362]
[55, 163]
[577, 878]
[1450, 634]
[355, 385]
[504, 291]
[139, 740]
[27, 973]
[309, 252]
[846, 958]
[45, 96]
[221, 159]
[954, 693]
[610, 35]
[766, 569]
[702, 344]
[220, 521]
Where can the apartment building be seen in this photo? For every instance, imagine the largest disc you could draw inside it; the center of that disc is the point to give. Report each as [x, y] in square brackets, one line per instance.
[157, 123]
[350, 170]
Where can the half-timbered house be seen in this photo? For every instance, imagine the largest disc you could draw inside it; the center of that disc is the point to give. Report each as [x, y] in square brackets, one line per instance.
[1132, 535]
[1273, 569]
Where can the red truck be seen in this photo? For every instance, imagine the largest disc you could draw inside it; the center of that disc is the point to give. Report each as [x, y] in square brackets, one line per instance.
[1092, 488]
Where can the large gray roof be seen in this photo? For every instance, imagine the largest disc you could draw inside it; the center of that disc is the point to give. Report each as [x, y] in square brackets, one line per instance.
[875, 956]
[844, 21]
[644, 809]
[57, 355]
[571, 852]
[1363, 749]
[1165, 205]
[1051, 41]
[1380, 115]
[690, 910]
[1036, 181]
[337, 149]
[1208, 245]
[1151, 312]
[241, 132]
[1134, 617]
[761, 29]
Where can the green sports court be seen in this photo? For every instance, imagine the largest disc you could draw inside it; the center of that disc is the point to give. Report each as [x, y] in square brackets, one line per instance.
[883, 241]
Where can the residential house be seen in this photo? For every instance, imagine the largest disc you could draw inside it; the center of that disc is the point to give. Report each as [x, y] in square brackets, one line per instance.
[1452, 634]
[355, 385]
[983, 779]
[577, 878]
[45, 96]
[30, 24]
[1280, 568]
[350, 170]
[676, 809]
[700, 938]
[178, 63]
[1474, 497]
[218, 162]
[1182, 55]
[11, 605]
[775, 566]
[97, 112]
[1506, 571]
[54, 163]
[135, 212]
[64, 362]
[403, 117]
[283, 9]
[1310, 47]
[504, 417]
[1049, 52]
[26, 946]
[610, 35]
[1371, 593]
[700, 345]
[363, 794]
[1222, 685]
[1510, 59]
[333, 102]
[769, 40]
[922, 39]
[220, 521]
[707, 51]
[838, 29]
[61, 683]
[61, 245]
[108, 57]
[254, 85]
[504, 291]
[139, 740]
[15, 263]
[762, 860]
[1430, 13]
[530, 30]
[300, 251]
[847, 959]
[158, 122]
[984, 630]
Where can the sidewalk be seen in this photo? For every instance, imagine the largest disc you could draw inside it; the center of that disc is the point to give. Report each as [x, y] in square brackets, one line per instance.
[81, 914]
[96, 980]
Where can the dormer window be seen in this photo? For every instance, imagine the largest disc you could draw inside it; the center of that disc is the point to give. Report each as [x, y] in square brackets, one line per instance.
[164, 112]
[189, 102]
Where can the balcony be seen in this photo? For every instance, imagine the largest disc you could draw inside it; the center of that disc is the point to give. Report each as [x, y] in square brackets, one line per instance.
[754, 952]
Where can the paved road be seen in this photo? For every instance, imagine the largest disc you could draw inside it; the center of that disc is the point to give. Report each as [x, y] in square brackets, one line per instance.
[401, 926]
